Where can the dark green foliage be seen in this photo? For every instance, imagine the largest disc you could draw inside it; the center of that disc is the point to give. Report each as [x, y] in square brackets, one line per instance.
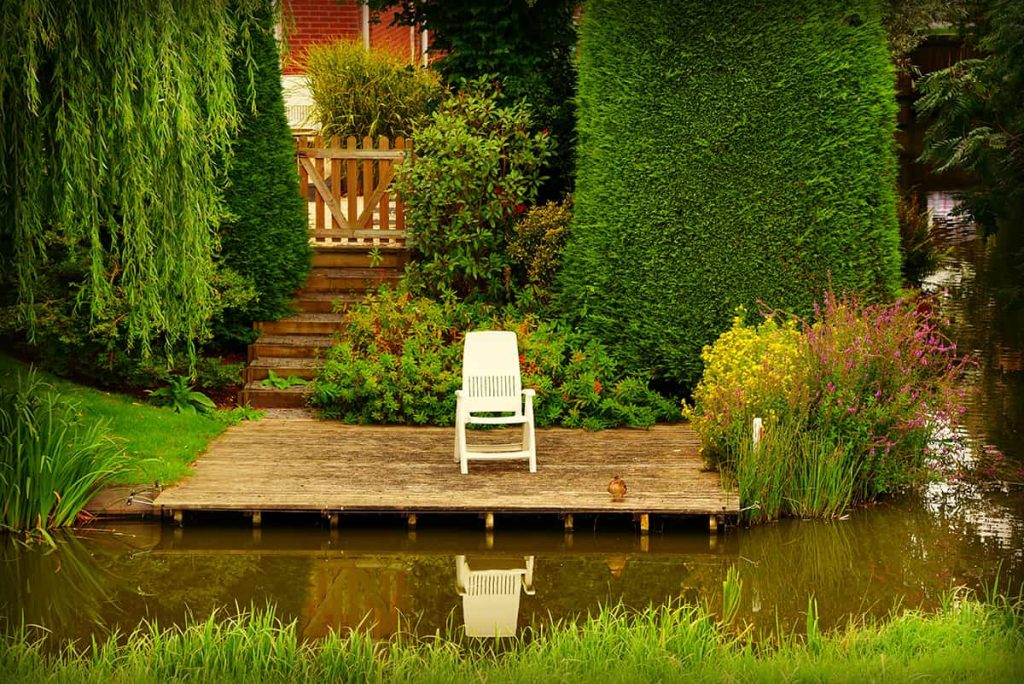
[477, 167]
[112, 117]
[69, 343]
[919, 248]
[529, 44]
[266, 238]
[978, 110]
[399, 360]
[729, 152]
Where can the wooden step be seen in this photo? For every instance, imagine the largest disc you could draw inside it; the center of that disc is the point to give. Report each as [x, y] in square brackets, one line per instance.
[259, 368]
[326, 302]
[260, 397]
[289, 346]
[348, 279]
[358, 258]
[304, 324]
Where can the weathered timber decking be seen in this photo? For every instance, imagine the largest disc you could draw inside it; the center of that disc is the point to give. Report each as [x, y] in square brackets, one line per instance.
[311, 465]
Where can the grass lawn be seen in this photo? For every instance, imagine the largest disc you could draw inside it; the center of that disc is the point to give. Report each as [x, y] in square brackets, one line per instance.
[161, 443]
[965, 642]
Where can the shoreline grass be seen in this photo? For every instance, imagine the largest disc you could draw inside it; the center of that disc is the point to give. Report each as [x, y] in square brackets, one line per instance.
[966, 640]
[160, 444]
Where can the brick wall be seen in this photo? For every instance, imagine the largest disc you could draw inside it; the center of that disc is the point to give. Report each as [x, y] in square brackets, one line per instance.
[308, 22]
[397, 40]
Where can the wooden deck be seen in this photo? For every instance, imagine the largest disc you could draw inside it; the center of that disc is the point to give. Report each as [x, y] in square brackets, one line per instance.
[324, 466]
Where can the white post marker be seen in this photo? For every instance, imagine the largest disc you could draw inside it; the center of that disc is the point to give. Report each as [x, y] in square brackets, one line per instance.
[758, 429]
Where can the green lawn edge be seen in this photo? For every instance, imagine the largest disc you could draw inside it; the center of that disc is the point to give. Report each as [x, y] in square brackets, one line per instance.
[966, 641]
[160, 443]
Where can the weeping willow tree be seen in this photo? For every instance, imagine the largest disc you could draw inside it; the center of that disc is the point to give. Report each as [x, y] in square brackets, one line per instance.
[115, 116]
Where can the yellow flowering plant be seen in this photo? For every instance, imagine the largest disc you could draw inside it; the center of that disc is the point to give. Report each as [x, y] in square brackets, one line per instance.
[750, 370]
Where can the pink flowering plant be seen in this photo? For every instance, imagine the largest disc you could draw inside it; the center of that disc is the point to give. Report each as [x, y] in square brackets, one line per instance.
[866, 384]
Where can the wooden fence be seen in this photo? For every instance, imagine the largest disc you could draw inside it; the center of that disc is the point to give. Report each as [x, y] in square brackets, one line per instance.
[352, 201]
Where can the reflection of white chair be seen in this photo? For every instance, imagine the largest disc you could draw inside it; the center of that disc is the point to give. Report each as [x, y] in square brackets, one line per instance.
[490, 596]
[491, 384]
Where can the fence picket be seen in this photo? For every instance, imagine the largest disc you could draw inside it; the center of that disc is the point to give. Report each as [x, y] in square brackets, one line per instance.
[360, 174]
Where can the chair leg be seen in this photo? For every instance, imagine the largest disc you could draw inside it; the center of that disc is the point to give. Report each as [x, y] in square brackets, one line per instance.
[532, 447]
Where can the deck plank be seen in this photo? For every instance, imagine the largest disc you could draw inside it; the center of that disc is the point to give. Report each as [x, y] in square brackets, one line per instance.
[312, 465]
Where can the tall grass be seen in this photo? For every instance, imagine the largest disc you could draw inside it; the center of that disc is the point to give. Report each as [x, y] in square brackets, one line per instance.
[792, 472]
[967, 640]
[51, 462]
[159, 443]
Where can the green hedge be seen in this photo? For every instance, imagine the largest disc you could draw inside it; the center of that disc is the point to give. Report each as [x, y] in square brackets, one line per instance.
[729, 152]
[266, 240]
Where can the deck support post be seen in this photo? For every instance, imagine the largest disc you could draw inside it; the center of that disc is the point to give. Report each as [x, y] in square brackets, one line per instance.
[489, 521]
[257, 518]
[411, 520]
[713, 523]
[333, 518]
[179, 518]
[645, 523]
[569, 523]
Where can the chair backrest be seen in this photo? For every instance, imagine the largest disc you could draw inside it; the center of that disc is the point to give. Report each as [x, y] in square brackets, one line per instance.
[490, 372]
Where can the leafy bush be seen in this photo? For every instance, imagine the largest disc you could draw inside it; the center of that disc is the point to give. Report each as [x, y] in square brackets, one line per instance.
[719, 168]
[182, 398]
[477, 167]
[266, 237]
[856, 394]
[529, 45]
[367, 92]
[51, 463]
[537, 244]
[398, 359]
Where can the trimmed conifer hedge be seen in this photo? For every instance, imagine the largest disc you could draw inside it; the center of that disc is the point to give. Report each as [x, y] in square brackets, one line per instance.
[729, 153]
[267, 239]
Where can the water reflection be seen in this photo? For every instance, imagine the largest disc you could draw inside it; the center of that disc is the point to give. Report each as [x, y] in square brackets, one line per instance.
[448, 580]
[490, 591]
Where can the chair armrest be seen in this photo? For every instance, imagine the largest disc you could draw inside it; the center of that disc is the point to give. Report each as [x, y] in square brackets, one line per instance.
[529, 393]
[459, 393]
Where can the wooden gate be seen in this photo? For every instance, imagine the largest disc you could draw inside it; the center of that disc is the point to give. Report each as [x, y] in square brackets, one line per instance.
[352, 202]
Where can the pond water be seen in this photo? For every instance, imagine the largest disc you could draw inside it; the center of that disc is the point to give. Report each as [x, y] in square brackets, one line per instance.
[449, 574]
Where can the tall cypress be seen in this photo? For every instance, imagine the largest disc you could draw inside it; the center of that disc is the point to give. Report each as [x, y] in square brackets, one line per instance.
[730, 153]
[266, 237]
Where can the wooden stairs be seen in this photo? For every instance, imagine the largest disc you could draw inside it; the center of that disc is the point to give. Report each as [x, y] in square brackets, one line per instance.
[294, 346]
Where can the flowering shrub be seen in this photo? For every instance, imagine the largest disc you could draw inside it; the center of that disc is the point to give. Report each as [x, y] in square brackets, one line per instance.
[868, 384]
[477, 168]
[749, 371]
[398, 359]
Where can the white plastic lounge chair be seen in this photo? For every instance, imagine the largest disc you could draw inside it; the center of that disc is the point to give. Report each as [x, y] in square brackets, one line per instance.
[491, 384]
[490, 595]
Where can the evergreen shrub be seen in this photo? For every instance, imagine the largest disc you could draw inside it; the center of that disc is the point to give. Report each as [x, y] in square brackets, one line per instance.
[266, 237]
[728, 152]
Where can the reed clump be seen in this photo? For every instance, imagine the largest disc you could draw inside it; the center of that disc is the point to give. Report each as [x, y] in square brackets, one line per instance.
[967, 640]
[52, 461]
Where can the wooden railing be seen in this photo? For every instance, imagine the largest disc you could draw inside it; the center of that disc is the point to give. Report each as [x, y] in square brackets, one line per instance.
[352, 201]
